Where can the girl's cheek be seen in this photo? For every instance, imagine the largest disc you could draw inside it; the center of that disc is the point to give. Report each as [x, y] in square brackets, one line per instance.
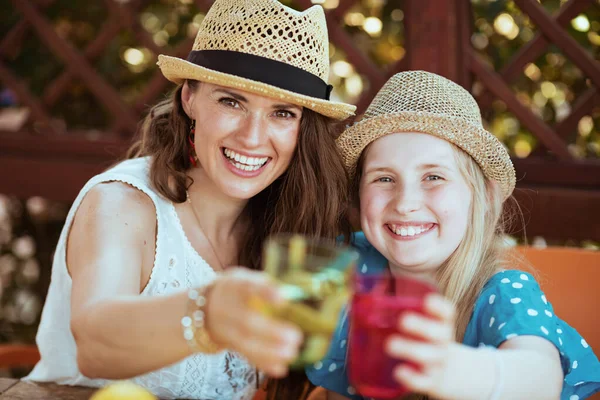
[369, 203]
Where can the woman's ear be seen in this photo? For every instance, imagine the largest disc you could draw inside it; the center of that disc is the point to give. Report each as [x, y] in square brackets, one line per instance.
[187, 98]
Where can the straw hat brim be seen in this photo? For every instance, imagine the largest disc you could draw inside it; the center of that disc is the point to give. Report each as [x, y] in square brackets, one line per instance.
[178, 70]
[489, 153]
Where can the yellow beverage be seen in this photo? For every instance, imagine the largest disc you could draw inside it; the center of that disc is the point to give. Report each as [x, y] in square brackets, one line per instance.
[314, 278]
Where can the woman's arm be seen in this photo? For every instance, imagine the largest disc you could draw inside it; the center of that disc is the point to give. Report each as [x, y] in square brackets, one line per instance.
[120, 334]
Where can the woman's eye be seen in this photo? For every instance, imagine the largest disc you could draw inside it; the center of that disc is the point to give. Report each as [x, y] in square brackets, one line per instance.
[229, 102]
[284, 114]
[433, 178]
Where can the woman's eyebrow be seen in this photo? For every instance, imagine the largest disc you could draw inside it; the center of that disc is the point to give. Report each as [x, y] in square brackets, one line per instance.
[287, 106]
[236, 96]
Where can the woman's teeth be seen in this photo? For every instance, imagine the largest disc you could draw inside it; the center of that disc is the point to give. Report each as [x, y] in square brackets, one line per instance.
[243, 162]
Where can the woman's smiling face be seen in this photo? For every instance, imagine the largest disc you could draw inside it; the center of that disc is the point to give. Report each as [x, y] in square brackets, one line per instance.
[243, 141]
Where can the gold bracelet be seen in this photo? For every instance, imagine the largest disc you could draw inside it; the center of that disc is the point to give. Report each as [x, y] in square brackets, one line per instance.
[193, 323]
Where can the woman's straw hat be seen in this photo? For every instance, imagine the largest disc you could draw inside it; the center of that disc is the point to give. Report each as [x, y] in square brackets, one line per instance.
[419, 101]
[262, 47]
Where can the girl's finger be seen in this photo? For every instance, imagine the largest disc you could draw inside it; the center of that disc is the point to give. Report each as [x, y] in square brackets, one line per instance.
[417, 352]
[440, 308]
[412, 379]
[426, 328]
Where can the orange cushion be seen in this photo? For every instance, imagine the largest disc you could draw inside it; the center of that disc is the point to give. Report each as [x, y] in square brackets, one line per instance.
[570, 278]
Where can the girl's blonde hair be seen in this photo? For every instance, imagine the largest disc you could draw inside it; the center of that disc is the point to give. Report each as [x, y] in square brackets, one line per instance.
[482, 251]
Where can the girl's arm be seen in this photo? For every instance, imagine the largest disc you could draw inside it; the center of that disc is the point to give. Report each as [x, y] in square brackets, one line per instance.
[120, 334]
[524, 367]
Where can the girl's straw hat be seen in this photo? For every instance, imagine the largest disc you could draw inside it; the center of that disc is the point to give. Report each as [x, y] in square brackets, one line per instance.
[419, 101]
[262, 47]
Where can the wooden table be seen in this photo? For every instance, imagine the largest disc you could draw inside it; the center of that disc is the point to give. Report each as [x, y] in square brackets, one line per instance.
[15, 389]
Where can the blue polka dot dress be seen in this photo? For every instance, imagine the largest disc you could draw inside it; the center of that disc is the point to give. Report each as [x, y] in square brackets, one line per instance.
[511, 304]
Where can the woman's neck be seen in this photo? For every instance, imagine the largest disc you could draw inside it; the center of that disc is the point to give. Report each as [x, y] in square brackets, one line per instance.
[220, 215]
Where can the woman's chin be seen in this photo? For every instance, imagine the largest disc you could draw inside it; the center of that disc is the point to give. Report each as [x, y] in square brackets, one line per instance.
[242, 190]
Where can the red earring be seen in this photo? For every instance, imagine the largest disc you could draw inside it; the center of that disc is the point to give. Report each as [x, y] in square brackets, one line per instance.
[192, 135]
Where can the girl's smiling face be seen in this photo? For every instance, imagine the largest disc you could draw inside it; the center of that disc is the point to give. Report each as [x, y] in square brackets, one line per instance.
[414, 201]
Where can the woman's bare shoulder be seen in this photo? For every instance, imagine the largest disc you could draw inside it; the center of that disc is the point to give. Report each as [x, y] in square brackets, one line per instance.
[114, 213]
[118, 200]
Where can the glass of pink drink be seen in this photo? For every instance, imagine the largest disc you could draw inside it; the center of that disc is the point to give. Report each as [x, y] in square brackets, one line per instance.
[377, 304]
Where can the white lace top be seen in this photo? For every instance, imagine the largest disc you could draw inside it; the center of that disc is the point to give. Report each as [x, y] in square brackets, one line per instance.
[177, 266]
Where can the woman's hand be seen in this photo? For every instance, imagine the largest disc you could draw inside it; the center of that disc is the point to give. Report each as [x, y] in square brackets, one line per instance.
[268, 344]
[428, 343]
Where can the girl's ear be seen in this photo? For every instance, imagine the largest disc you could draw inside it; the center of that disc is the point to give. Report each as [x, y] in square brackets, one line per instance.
[493, 192]
[187, 97]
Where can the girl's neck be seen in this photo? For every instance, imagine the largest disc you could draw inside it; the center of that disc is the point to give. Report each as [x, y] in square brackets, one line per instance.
[427, 276]
[220, 215]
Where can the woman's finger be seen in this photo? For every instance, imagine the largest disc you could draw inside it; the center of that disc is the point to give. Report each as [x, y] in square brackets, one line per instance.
[277, 332]
[440, 307]
[267, 357]
[425, 328]
[419, 353]
[253, 284]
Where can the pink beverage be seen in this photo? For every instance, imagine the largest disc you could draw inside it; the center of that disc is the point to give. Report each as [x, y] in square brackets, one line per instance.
[377, 304]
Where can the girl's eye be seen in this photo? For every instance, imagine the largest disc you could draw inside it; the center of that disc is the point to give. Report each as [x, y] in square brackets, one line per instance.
[284, 114]
[433, 178]
[384, 179]
[229, 102]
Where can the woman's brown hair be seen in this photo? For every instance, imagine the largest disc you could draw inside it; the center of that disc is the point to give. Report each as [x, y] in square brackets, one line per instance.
[310, 198]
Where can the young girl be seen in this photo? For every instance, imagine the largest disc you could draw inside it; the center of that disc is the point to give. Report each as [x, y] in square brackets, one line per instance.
[431, 184]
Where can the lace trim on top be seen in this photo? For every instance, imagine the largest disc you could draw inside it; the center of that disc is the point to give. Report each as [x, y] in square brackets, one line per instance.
[239, 376]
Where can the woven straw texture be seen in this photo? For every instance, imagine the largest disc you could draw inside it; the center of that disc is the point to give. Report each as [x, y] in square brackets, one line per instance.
[268, 29]
[418, 101]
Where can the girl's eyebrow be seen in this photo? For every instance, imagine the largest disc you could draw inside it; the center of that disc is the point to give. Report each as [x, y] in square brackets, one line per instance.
[378, 169]
[434, 166]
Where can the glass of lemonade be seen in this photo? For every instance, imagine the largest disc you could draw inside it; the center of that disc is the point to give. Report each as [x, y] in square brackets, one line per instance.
[314, 276]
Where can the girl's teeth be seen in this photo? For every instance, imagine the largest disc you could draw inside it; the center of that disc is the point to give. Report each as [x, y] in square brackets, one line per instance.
[410, 231]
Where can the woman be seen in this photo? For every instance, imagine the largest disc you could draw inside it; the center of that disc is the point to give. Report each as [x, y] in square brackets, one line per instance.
[140, 286]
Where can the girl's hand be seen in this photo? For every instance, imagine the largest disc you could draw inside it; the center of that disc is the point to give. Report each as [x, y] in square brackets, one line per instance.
[232, 323]
[428, 344]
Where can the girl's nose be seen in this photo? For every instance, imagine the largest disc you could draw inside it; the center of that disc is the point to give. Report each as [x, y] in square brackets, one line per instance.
[408, 199]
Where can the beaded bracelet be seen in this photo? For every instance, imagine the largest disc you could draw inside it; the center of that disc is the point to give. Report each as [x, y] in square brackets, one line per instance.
[193, 323]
